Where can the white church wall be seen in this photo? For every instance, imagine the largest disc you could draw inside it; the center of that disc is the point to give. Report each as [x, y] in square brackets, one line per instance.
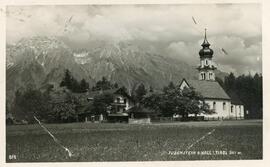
[242, 111]
[237, 111]
[222, 108]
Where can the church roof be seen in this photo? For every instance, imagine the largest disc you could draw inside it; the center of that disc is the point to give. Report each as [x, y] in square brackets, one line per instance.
[208, 89]
[234, 97]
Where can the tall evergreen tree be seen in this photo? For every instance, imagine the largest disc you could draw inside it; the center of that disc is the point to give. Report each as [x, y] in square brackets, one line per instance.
[170, 87]
[67, 80]
[140, 92]
[229, 82]
[84, 86]
[249, 90]
[103, 84]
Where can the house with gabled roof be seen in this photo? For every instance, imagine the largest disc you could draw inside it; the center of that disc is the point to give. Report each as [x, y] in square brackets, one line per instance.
[224, 105]
[116, 112]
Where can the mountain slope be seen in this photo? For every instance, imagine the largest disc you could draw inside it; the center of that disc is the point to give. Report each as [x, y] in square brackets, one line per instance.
[38, 61]
[130, 65]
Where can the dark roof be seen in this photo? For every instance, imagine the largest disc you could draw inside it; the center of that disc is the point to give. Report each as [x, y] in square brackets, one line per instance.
[208, 89]
[234, 97]
[99, 92]
[115, 91]
[140, 109]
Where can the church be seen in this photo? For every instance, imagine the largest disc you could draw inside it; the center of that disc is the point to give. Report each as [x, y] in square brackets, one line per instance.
[225, 105]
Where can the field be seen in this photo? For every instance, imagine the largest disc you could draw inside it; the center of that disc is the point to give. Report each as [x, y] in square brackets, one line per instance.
[213, 140]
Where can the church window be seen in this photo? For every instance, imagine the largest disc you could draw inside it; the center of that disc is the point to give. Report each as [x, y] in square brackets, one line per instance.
[224, 105]
[203, 76]
[231, 109]
[206, 62]
[214, 105]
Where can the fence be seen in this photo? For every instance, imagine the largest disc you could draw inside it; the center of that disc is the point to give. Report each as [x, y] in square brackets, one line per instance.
[222, 118]
[198, 118]
[139, 121]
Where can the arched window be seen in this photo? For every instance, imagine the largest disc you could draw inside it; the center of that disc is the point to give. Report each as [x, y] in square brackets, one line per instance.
[224, 105]
[206, 62]
[214, 105]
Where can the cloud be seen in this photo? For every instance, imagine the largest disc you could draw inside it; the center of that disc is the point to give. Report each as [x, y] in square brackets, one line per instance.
[168, 29]
[183, 51]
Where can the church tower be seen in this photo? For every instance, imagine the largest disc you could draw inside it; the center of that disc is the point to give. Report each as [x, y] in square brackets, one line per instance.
[206, 67]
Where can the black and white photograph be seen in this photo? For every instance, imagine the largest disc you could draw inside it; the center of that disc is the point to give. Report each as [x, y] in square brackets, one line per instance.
[133, 82]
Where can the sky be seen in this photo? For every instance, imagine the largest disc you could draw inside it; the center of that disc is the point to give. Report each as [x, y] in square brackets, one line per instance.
[170, 30]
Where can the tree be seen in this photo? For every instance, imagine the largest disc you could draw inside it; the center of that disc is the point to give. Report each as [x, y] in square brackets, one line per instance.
[153, 101]
[75, 86]
[101, 103]
[64, 111]
[67, 80]
[122, 91]
[194, 102]
[115, 85]
[170, 87]
[249, 90]
[84, 86]
[176, 101]
[230, 82]
[72, 84]
[31, 103]
[140, 92]
[103, 84]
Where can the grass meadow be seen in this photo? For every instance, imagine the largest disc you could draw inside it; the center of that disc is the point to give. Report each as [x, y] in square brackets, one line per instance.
[125, 142]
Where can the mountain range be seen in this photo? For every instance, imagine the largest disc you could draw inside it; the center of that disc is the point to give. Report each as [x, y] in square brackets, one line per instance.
[40, 60]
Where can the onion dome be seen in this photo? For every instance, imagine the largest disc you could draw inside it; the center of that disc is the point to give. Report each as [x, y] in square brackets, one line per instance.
[206, 51]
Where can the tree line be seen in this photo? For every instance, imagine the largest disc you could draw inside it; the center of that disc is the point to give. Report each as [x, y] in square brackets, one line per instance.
[72, 84]
[249, 89]
[167, 102]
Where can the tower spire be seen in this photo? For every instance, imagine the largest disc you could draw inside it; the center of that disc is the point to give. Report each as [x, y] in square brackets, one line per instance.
[205, 41]
[205, 33]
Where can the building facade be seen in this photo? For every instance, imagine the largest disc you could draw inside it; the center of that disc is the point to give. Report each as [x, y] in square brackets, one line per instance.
[219, 101]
